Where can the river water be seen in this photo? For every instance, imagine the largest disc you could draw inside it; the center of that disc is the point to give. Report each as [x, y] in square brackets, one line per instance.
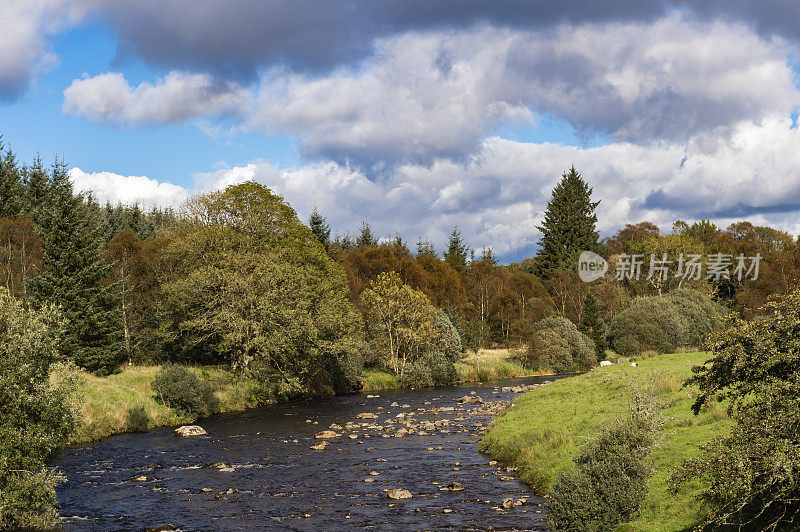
[278, 482]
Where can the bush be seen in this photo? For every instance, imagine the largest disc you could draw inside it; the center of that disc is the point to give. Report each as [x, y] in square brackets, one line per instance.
[179, 388]
[557, 345]
[753, 475]
[37, 415]
[608, 483]
[138, 419]
[431, 369]
[448, 338]
[682, 318]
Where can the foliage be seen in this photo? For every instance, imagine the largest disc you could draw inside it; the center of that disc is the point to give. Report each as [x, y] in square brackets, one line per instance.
[569, 224]
[457, 252]
[404, 320]
[37, 416]
[592, 326]
[320, 228]
[608, 483]
[248, 284]
[753, 474]
[72, 276]
[177, 387]
[662, 324]
[138, 419]
[558, 345]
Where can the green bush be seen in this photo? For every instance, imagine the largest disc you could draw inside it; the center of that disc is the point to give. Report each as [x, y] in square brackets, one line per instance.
[703, 316]
[753, 474]
[449, 339]
[138, 419]
[179, 388]
[431, 369]
[608, 483]
[36, 415]
[557, 345]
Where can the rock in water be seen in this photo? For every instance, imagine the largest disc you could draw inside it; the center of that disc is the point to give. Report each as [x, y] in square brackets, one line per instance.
[398, 494]
[320, 446]
[455, 486]
[190, 430]
[508, 503]
[470, 400]
[367, 415]
[326, 434]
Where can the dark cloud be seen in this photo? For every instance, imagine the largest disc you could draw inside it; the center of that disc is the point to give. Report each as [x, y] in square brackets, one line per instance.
[237, 36]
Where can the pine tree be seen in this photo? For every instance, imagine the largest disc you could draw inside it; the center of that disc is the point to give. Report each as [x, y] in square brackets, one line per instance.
[592, 326]
[72, 276]
[320, 228]
[457, 252]
[365, 237]
[425, 247]
[37, 189]
[569, 225]
[11, 190]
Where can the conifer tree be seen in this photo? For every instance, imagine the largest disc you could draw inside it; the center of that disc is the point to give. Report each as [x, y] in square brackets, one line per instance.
[320, 228]
[425, 247]
[457, 252]
[592, 326]
[365, 237]
[569, 225]
[37, 188]
[11, 190]
[72, 277]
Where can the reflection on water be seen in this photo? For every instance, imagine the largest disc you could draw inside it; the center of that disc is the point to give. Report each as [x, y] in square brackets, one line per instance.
[279, 483]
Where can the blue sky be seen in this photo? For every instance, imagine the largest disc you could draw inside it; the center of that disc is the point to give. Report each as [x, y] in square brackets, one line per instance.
[413, 116]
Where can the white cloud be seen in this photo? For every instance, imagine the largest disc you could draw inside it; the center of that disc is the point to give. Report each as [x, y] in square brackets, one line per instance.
[24, 48]
[178, 97]
[115, 188]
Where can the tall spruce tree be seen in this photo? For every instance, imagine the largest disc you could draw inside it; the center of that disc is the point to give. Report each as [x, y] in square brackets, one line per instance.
[320, 228]
[569, 225]
[365, 236]
[592, 326]
[72, 277]
[11, 190]
[37, 188]
[457, 251]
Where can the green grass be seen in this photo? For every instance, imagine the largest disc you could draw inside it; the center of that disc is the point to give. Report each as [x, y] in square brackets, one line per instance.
[104, 401]
[490, 364]
[542, 431]
[375, 380]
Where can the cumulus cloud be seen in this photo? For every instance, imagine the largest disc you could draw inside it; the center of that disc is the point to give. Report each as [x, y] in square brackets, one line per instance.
[433, 95]
[115, 188]
[176, 98]
[24, 48]
[498, 197]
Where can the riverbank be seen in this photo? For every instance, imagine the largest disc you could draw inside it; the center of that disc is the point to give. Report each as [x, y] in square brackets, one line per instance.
[541, 433]
[105, 401]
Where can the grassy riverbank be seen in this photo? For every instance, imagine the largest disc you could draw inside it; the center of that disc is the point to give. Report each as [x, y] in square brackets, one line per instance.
[477, 366]
[104, 401]
[542, 431]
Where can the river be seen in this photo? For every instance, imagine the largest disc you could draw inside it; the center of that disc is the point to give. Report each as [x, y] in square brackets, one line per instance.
[276, 481]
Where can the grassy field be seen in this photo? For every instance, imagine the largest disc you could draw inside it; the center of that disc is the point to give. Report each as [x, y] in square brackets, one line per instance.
[542, 431]
[104, 401]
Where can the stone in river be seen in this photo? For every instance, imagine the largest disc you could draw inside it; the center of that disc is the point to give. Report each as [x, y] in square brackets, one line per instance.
[326, 434]
[190, 430]
[508, 503]
[367, 415]
[140, 479]
[398, 494]
[320, 446]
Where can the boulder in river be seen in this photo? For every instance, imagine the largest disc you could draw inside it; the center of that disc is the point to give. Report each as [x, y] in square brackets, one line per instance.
[398, 494]
[190, 430]
[367, 415]
[326, 434]
[508, 503]
[470, 400]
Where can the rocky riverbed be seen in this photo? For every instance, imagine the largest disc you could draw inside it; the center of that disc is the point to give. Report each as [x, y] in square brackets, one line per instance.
[404, 460]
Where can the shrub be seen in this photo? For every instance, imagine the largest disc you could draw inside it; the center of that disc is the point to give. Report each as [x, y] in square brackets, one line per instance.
[37, 415]
[682, 318]
[179, 388]
[608, 483]
[138, 419]
[753, 475]
[559, 346]
[448, 340]
[431, 369]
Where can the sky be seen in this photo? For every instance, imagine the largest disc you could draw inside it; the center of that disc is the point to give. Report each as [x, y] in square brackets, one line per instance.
[417, 116]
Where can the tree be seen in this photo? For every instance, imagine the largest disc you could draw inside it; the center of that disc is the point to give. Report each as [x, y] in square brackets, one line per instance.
[72, 276]
[11, 190]
[365, 236]
[37, 414]
[320, 228]
[457, 252]
[20, 254]
[247, 283]
[592, 326]
[404, 318]
[569, 224]
[425, 248]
